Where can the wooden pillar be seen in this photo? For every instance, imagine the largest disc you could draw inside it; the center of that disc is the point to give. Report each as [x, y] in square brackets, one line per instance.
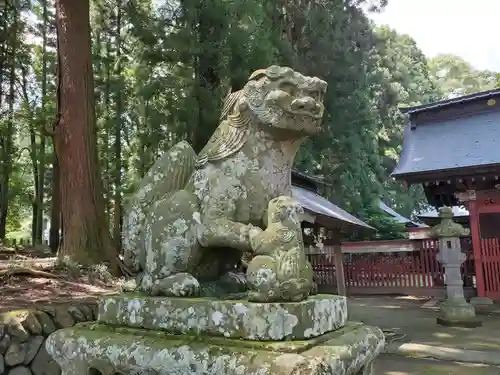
[339, 269]
[470, 199]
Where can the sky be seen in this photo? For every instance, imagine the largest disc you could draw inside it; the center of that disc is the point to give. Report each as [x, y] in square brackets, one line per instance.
[466, 28]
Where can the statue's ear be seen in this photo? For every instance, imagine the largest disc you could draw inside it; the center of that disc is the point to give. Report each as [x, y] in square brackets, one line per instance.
[258, 74]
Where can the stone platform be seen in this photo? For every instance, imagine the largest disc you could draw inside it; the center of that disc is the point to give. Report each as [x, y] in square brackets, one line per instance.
[138, 334]
[103, 350]
[232, 319]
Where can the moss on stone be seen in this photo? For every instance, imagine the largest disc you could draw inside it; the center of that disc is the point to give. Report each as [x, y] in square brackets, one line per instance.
[228, 318]
[290, 346]
[124, 349]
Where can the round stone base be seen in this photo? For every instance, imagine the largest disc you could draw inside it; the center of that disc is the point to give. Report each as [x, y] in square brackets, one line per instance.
[468, 323]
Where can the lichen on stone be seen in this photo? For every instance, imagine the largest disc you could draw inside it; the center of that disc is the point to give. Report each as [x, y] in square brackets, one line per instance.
[135, 351]
[238, 319]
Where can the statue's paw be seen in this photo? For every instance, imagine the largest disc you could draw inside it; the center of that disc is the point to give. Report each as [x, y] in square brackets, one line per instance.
[254, 234]
[130, 285]
[178, 285]
[256, 296]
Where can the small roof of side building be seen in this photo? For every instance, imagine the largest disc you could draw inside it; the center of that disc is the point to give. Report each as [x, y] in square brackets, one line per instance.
[400, 218]
[451, 137]
[305, 190]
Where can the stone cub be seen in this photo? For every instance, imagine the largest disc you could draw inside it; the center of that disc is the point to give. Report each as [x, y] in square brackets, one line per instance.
[279, 270]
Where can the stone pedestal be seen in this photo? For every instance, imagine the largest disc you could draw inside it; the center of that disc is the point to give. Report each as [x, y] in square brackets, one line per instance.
[454, 311]
[167, 336]
[481, 301]
[458, 313]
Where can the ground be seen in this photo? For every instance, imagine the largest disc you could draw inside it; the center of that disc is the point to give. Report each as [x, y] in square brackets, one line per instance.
[430, 349]
[30, 277]
[388, 364]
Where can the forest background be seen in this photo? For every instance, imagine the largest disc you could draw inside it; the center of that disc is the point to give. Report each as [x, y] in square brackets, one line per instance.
[160, 72]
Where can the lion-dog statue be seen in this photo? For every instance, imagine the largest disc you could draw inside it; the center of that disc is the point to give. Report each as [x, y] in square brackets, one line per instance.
[193, 216]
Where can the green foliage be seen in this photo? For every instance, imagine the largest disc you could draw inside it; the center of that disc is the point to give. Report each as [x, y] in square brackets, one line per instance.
[161, 70]
[387, 228]
[456, 77]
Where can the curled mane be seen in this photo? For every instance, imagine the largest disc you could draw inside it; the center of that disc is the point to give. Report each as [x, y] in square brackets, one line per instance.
[233, 130]
[230, 135]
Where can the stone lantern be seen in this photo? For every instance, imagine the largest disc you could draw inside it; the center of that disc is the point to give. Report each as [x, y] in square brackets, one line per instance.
[455, 310]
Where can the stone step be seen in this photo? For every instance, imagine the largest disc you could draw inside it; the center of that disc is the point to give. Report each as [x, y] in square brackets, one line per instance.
[313, 317]
[99, 349]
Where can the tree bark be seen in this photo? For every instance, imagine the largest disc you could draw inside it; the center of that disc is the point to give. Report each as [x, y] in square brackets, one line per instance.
[38, 231]
[55, 210]
[7, 140]
[117, 217]
[86, 237]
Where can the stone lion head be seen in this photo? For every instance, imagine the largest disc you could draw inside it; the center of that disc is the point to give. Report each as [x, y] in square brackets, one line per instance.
[276, 99]
[282, 98]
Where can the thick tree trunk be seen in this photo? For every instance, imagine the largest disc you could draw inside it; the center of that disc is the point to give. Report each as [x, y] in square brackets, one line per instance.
[85, 231]
[8, 138]
[117, 217]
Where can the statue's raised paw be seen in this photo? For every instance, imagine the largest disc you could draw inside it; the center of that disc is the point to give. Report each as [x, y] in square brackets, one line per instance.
[178, 285]
[254, 236]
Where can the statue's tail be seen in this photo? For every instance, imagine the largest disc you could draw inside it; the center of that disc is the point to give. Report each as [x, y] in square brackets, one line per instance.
[168, 174]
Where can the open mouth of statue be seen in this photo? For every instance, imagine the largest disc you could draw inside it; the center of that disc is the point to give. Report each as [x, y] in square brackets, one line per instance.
[304, 113]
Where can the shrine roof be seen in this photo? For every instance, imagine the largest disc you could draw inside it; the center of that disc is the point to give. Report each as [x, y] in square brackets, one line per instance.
[328, 214]
[447, 103]
[452, 138]
[398, 217]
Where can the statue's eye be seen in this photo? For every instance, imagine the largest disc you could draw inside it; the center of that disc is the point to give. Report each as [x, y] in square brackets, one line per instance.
[289, 88]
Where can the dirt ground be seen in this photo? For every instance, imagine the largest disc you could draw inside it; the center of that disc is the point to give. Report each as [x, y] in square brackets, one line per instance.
[30, 277]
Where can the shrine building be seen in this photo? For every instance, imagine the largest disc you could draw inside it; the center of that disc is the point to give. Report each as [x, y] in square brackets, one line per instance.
[452, 148]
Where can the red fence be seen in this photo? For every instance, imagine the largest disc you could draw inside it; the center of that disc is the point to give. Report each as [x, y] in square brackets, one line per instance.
[415, 272]
[490, 256]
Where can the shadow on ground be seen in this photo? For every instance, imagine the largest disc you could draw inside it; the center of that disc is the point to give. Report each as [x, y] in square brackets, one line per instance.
[408, 317]
[396, 365]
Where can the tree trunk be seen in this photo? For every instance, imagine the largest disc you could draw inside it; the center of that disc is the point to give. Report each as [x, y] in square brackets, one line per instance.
[38, 231]
[55, 211]
[8, 137]
[86, 237]
[117, 217]
[33, 154]
[34, 199]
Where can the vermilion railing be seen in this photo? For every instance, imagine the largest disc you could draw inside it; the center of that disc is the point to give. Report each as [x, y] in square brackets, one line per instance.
[390, 270]
[490, 254]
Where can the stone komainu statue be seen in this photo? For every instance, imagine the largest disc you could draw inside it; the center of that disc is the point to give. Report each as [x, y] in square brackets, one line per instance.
[193, 216]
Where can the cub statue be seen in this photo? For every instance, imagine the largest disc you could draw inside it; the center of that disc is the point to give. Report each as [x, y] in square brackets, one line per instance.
[280, 270]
